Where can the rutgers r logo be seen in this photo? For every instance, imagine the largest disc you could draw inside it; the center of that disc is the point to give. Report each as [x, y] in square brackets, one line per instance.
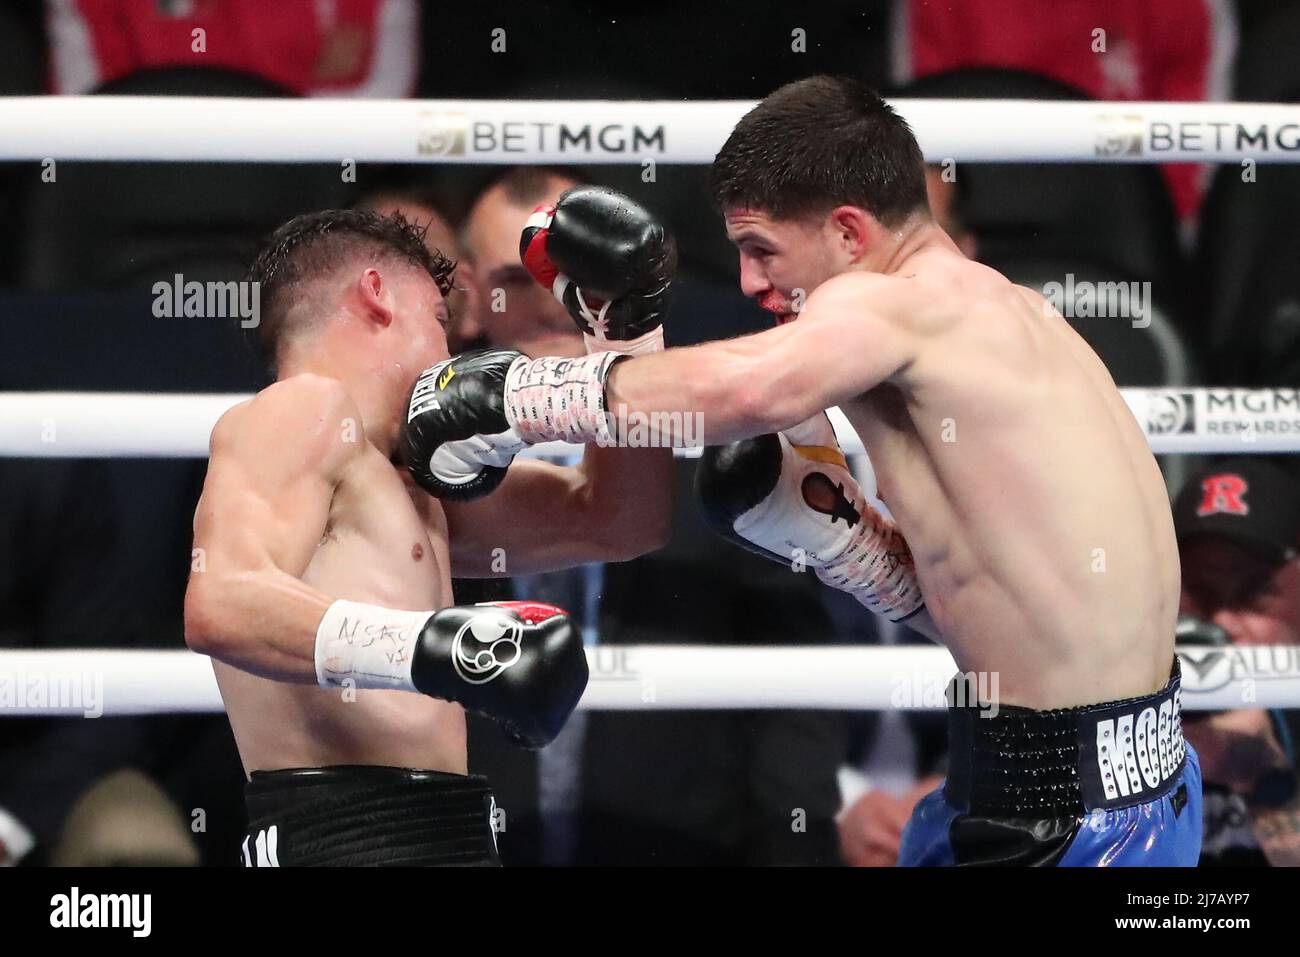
[1223, 494]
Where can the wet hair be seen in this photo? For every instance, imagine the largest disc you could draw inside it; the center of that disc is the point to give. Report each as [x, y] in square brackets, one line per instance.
[818, 143]
[313, 245]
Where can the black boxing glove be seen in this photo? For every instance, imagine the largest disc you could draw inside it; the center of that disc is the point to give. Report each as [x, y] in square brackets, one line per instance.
[791, 498]
[520, 663]
[457, 440]
[469, 416]
[608, 261]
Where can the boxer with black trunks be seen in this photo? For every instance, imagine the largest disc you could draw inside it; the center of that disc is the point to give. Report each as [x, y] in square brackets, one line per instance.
[321, 585]
[1028, 527]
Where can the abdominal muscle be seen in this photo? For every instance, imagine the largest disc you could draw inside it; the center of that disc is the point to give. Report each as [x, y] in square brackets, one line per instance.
[1034, 510]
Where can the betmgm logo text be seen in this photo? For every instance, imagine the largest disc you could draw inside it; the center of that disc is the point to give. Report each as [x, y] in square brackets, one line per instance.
[443, 133]
[1131, 134]
[1084, 299]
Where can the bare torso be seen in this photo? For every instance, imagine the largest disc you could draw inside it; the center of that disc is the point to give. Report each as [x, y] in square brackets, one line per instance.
[385, 543]
[1035, 511]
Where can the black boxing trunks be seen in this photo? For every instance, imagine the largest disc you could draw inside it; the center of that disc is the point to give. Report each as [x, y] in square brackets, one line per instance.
[364, 816]
[1107, 785]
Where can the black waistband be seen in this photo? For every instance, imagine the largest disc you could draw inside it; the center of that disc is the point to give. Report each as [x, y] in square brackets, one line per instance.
[1017, 762]
[367, 815]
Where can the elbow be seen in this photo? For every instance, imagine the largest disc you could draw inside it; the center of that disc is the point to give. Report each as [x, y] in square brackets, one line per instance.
[638, 534]
[626, 551]
[660, 535]
[750, 406]
[206, 629]
[198, 634]
[650, 537]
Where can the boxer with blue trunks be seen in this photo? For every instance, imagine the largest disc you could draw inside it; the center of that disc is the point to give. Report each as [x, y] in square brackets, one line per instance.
[1017, 514]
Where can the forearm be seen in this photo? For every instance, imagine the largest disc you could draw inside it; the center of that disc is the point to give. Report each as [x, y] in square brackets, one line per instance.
[628, 499]
[710, 394]
[274, 626]
[262, 622]
[614, 505]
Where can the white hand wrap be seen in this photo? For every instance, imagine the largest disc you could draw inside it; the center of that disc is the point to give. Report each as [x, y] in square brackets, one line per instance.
[367, 645]
[552, 399]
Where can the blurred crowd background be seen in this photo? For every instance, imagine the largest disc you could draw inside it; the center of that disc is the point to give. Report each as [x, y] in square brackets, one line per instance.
[95, 553]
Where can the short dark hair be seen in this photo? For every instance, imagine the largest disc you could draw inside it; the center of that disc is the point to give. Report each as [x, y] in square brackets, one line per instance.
[816, 144]
[314, 244]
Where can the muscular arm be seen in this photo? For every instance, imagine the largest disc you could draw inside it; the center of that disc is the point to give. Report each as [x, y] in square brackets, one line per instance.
[615, 505]
[274, 464]
[854, 332]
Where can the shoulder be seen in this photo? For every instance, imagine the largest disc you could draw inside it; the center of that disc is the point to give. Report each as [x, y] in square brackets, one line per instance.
[915, 302]
[850, 288]
[1036, 299]
[301, 401]
[312, 418]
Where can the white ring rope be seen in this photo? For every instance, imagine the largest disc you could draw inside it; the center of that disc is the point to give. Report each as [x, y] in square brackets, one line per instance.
[127, 425]
[640, 677]
[200, 129]
[65, 424]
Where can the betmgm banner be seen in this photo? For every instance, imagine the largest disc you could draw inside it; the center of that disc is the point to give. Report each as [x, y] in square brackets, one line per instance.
[1232, 421]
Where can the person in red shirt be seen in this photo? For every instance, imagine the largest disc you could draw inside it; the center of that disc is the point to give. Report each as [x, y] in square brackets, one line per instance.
[364, 48]
[1178, 50]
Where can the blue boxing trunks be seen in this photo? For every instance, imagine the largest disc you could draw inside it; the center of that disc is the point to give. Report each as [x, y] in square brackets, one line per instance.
[1107, 785]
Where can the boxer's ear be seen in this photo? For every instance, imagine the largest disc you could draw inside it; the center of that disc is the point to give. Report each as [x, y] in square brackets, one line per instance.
[374, 296]
[854, 230]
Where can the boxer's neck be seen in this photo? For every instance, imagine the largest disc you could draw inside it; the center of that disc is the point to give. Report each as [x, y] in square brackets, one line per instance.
[916, 235]
[376, 384]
